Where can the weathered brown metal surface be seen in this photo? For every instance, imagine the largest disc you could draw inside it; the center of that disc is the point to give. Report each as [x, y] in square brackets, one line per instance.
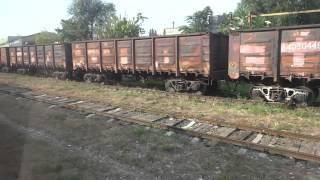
[93, 55]
[125, 55]
[26, 56]
[60, 58]
[143, 52]
[165, 55]
[49, 56]
[4, 56]
[33, 55]
[300, 53]
[200, 54]
[19, 56]
[256, 53]
[286, 53]
[79, 55]
[194, 54]
[13, 57]
[108, 55]
[40, 55]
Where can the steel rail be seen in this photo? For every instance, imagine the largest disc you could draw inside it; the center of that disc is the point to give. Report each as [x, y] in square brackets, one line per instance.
[256, 146]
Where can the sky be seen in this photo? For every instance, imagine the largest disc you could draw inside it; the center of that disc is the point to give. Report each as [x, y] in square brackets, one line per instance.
[25, 17]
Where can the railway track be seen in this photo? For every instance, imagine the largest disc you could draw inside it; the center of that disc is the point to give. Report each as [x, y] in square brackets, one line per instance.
[298, 146]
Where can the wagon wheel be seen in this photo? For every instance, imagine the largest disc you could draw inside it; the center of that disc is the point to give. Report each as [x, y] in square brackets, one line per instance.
[316, 92]
[255, 95]
[302, 101]
[169, 86]
[202, 91]
[87, 79]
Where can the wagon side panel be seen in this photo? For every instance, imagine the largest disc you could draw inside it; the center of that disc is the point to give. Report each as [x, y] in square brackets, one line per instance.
[26, 56]
[165, 54]
[79, 56]
[93, 52]
[300, 53]
[257, 53]
[41, 56]
[108, 55]
[33, 55]
[60, 56]
[125, 61]
[143, 55]
[19, 56]
[194, 55]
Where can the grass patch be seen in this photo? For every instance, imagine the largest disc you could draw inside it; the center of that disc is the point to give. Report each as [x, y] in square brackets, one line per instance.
[242, 111]
[48, 167]
[167, 147]
[139, 131]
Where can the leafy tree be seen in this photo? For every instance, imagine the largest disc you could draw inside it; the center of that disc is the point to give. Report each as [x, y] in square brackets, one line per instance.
[86, 16]
[120, 27]
[245, 7]
[72, 30]
[198, 22]
[46, 37]
[153, 32]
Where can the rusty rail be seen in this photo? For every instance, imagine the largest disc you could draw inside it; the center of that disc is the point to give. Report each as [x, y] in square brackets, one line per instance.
[225, 133]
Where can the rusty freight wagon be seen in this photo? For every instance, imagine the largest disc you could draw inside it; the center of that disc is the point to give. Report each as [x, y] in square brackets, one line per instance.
[190, 62]
[53, 59]
[4, 59]
[284, 61]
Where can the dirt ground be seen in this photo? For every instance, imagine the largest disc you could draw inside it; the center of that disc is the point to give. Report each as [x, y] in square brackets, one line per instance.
[39, 141]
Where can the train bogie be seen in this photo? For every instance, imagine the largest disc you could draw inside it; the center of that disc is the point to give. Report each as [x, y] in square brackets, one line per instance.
[287, 58]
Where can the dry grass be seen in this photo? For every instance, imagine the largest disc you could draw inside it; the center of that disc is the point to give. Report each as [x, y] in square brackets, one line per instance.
[274, 116]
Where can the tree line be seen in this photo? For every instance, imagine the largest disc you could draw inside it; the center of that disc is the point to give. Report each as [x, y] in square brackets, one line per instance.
[96, 19]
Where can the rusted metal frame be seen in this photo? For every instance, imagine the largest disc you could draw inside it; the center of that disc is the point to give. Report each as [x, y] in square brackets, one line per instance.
[265, 131]
[53, 57]
[36, 55]
[100, 56]
[7, 56]
[116, 55]
[86, 55]
[133, 55]
[1, 56]
[256, 146]
[29, 56]
[177, 57]
[44, 56]
[144, 38]
[22, 56]
[153, 55]
[282, 28]
[277, 56]
[210, 54]
[16, 55]
[288, 13]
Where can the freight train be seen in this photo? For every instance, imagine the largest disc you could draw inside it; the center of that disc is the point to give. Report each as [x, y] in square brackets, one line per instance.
[282, 62]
